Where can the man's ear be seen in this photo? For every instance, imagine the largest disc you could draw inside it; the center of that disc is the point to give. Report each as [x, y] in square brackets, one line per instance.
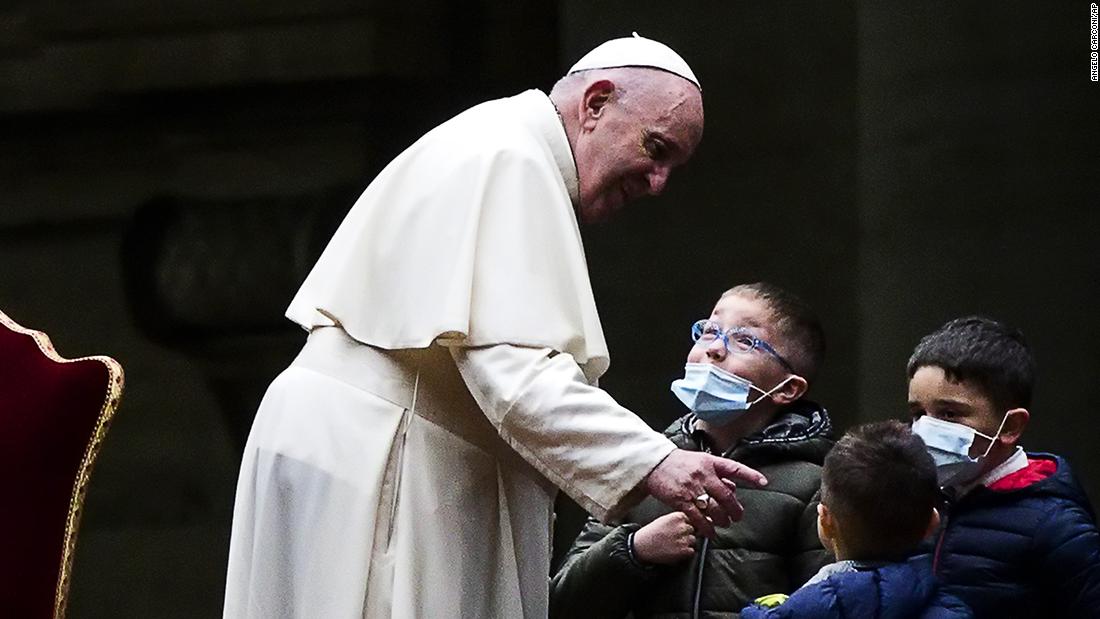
[794, 388]
[1014, 426]
[595, 100]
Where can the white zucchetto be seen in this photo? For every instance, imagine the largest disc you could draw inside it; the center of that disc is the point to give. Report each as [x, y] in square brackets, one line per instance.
[636, 51]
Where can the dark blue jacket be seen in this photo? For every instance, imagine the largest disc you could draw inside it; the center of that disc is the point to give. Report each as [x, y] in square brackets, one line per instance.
[904, 590]
[1029, 552]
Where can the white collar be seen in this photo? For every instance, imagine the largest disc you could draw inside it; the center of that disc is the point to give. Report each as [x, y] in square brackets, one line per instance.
[1016, 462]
[551, 127]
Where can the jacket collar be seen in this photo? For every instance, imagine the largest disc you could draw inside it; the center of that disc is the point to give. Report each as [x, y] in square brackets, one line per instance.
[801, 420]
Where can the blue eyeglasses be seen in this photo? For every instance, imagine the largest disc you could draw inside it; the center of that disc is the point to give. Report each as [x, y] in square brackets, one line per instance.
[736, 339]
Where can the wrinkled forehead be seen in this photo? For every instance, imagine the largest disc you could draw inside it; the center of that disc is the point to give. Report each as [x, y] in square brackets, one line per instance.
[678, 107]
[667, 102]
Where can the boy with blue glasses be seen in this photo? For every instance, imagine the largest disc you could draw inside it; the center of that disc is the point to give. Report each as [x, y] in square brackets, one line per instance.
[1018, 537]
[751, 363]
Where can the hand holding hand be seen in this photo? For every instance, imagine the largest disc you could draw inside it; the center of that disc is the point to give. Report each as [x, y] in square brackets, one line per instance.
[694, 482]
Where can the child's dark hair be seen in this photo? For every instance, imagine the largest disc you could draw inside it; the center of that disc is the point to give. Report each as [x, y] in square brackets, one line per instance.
[880, 485]
[796, 322]
[991, 354]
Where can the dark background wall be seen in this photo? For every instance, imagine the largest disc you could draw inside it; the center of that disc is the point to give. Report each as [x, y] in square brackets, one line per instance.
[978, 193]
[170, 169]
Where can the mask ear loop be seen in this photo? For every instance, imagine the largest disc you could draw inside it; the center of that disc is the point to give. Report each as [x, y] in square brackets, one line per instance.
[770, 391]
[993, 439]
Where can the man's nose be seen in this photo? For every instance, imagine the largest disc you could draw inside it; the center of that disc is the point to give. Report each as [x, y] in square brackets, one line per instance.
[657, 179]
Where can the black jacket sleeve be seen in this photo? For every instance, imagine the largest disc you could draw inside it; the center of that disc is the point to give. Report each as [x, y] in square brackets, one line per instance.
[599, 577]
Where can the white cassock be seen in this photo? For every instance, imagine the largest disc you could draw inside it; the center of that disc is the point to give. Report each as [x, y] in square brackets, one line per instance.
[405, 464]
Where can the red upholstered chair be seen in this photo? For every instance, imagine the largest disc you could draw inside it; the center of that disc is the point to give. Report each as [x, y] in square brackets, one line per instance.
[54, 413]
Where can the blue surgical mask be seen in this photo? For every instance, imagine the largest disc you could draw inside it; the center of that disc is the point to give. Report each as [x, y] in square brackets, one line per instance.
[715, 395]
[949, 445]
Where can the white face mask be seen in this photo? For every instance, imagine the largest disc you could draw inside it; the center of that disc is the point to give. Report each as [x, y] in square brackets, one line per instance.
[949, 445]
[715, 395]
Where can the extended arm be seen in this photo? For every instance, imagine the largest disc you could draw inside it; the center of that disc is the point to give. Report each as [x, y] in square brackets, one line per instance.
[586, 443]
[573, 433]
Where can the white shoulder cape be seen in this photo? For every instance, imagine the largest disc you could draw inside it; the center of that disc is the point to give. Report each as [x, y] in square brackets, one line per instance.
[469, 237]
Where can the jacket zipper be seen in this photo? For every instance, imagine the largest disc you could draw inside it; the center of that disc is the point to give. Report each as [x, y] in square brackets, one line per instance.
[702, 562]
[699, 579]
[939, 545]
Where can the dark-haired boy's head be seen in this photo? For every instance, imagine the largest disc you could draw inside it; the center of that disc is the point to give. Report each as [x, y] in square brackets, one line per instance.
[878, 493]
[989, 354]
[979, 373]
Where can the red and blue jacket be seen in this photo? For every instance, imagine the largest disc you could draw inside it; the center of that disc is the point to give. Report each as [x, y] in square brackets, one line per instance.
[1026, 546]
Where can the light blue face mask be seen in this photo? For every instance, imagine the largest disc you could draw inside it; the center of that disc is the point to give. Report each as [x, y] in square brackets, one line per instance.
[949, 445]
[715, 395]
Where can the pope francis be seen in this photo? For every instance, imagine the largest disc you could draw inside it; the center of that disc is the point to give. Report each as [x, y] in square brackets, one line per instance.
[405, 464]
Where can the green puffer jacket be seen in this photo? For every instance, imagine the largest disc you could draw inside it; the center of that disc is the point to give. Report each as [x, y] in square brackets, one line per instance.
[773, 549]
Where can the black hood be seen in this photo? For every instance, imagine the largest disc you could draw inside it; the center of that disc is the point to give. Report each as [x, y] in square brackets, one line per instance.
[801, 430]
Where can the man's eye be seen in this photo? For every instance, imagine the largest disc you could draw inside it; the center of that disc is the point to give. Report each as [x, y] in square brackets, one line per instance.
[655, 149]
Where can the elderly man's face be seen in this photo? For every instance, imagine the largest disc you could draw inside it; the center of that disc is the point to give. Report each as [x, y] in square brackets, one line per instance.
[628, 148]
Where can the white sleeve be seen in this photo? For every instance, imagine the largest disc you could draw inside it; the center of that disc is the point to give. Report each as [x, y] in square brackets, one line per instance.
[572, 432]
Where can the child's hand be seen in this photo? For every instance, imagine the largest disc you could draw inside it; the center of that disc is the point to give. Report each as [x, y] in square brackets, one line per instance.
[667, 540]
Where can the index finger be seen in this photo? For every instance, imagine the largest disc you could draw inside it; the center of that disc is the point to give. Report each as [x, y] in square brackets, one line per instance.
[725, 504]
[735, 470]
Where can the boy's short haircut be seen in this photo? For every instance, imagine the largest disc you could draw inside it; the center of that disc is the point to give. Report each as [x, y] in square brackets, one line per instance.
[991, 354]
[796, 322]
[880, 485]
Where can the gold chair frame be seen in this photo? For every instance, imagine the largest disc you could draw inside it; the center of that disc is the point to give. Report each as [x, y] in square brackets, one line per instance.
[91, 452]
